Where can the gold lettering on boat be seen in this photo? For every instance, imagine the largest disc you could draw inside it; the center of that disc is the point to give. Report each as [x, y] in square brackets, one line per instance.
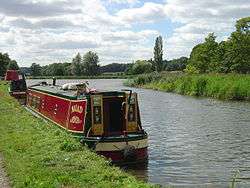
[76, 108]
[75, 119]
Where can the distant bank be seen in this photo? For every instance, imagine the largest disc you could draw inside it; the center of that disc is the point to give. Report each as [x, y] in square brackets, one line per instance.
[82, 77]
[220, 86]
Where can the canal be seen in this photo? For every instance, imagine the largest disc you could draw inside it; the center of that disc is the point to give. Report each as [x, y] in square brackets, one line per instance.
[193, 142]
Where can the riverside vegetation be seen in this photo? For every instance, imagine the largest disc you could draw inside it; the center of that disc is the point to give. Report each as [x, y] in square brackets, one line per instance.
[221, 86]
[38, 154]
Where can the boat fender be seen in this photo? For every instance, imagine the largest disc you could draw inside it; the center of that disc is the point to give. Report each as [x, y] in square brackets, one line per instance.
[129, 153]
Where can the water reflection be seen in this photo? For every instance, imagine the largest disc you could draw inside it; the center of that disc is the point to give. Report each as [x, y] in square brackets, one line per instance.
[139, 170]
[193, 142]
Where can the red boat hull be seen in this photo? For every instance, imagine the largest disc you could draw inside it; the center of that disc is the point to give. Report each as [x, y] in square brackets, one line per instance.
[140, 155]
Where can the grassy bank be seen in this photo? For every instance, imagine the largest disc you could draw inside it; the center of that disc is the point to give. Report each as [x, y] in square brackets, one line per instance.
[221, 86]
[38, 154]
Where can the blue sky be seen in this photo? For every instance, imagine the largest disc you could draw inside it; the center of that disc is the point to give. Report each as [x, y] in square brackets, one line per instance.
[121, 31]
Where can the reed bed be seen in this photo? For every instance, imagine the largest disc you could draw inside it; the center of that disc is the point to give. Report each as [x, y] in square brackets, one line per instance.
[221, 86]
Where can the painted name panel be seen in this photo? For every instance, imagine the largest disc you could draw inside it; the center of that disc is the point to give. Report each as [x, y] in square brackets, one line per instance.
[77, 115]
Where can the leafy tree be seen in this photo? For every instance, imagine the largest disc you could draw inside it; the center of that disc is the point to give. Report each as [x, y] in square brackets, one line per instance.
[237, 51]
[203, 56]
[13, 65]
[243, 25]
[35, 69]
[90, 63]
[158, 53]
[4, 61]
[141, 66]
[77, 67]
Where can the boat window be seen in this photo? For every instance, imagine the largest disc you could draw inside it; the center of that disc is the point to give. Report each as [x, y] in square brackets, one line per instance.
[97, 115]
[131, 110]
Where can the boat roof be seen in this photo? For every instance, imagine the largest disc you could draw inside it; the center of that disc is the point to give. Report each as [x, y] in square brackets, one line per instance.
[71, 94]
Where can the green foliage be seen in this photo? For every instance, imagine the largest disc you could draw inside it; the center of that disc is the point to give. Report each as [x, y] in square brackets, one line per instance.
[203, 56]
[13, 65]
[114, 67]
[57, 69]
[39, 154]
[158, 53]
[77, 66]
[221, 86]
[154, 77]
[140, 67]
[190, 69]
[243, 25]
[5, 61]
[232, 55]
[90, 63]
[176, 64]
[35, 69]
[237, 53]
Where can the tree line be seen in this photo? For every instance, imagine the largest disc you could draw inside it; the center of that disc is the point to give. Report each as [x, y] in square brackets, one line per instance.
[86, 65]
[229, 56]
[232, 55]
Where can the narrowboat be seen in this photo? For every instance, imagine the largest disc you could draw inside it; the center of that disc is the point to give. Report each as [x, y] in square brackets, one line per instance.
[18, 87]
[106, 121]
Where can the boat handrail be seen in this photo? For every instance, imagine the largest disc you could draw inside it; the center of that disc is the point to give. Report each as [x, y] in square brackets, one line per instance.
[88, 132]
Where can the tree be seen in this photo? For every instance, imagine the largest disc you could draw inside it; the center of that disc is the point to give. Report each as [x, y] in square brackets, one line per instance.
[203, 56]
[13, 65]
[243, 25]
[35, 69]
[4, 61]
[158, 53]
[141, 66]
[77, 67]
[90, 63]
[237, 51]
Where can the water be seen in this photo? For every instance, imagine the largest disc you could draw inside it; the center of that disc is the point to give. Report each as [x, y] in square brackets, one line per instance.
[193, 142]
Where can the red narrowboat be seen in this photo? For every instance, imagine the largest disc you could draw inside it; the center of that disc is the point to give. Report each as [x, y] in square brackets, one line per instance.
[18, 86]
[107, 121]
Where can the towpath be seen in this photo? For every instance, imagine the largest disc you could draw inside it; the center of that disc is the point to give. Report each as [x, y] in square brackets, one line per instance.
[4, 180]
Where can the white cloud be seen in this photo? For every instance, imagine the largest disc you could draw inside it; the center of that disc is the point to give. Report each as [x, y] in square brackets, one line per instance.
[149, 12]
[198, 18]
[130, 2]
[47, 31]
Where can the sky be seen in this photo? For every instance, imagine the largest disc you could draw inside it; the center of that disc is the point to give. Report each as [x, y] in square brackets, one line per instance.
[119, 31]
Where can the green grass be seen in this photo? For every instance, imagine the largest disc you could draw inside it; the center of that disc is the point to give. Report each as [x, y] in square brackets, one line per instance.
[38, 154]
[221, 86]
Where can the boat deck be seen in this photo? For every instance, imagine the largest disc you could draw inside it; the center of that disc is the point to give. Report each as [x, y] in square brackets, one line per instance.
[56, 90]
[69, 94]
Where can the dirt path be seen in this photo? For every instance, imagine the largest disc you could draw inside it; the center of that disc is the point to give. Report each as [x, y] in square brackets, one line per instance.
[4, 180]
